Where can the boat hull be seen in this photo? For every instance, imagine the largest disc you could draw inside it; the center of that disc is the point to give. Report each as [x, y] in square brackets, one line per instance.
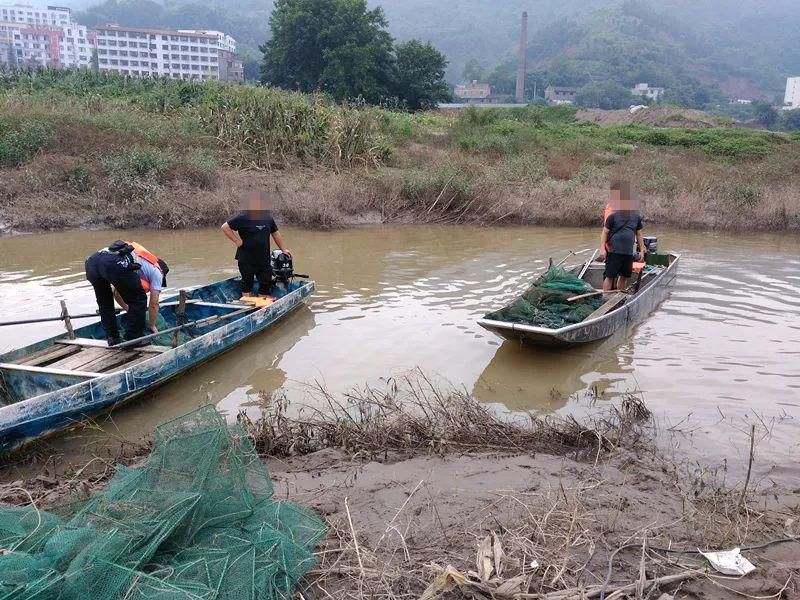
[51, 412]
[634, 310]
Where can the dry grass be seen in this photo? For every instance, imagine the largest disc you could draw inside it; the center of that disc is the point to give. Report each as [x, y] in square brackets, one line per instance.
[338, 167]
[414, 415]
[553, 541]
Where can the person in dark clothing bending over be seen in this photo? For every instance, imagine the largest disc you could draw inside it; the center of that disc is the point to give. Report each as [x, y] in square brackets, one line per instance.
[622, 231]
[126, 271]
[250, 231]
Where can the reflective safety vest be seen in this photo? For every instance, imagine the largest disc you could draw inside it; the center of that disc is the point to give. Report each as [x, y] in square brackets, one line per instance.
[144, 254]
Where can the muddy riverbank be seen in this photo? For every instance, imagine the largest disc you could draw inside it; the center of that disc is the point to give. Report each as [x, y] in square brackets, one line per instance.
[415, 502]
[321, 199]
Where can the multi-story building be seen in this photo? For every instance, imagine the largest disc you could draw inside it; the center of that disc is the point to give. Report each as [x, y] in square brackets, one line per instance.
[556, 94]
[48, 37]
[791, 100]
[142, 52]
[645, 90]
[231, 67]
[473, 92]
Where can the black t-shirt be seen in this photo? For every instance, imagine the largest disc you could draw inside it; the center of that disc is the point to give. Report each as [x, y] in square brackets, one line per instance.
[254, 229]
[623, 225]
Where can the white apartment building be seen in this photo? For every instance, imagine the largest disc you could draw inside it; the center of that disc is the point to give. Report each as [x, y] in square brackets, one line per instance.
[142, 52]
[792, 99]
[48, 37]
[224, 41]
[646, 91]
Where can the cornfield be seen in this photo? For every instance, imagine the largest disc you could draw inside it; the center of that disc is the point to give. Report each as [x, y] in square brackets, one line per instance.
[266, 128]
[256, 127]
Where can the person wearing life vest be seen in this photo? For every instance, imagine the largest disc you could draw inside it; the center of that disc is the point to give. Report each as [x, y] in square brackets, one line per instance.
[127, 271]
[622, 230]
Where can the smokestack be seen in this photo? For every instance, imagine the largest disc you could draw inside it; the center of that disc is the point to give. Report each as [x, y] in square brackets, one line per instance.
[523, 44]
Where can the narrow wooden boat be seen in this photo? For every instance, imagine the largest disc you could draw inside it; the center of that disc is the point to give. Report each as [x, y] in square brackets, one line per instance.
[619, 310]
[57, 382]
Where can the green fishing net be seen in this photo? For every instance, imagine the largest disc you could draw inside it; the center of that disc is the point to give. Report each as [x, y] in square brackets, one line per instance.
[197, 521]
[545, 303]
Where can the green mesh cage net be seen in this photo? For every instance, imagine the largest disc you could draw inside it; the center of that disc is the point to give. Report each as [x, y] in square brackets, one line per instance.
[545, 303]
[196, 522]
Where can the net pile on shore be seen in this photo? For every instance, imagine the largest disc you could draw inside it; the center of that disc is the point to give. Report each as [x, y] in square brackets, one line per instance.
[545, 302]
[196, 521]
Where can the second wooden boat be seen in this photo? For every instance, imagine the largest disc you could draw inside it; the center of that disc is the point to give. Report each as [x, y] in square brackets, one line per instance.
[618, 311]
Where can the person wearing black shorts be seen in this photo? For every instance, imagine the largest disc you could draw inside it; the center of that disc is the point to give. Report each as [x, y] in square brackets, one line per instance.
[106, 268]
[621, 231]
[250, 231]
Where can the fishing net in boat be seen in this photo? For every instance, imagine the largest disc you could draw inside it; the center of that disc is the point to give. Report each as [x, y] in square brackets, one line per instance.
[197, 521]
[544, 304]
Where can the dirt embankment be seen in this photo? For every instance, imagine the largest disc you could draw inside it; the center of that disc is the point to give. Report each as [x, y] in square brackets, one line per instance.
[428, 494]
[652, 116]
[573, 195]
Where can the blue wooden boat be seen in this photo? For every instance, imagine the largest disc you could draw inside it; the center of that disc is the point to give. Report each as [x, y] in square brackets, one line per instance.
[57, 382]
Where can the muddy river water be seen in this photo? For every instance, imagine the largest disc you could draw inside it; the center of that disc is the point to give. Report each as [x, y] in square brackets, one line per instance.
[723, 351]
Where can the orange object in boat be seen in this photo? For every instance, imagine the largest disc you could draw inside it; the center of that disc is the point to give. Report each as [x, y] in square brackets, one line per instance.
[258, 301]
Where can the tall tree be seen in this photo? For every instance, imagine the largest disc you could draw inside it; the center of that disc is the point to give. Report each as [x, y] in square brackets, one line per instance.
[337, 46]
[791, 119]
[474, 70]
[606, 95]
[765, 113]
[420, 78]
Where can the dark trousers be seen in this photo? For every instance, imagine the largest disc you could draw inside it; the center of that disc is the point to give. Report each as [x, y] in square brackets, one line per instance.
[261, 271]
[103, 270]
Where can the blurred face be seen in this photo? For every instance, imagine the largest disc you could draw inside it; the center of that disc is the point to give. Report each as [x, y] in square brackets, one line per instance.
[254, 203]
[623, 200]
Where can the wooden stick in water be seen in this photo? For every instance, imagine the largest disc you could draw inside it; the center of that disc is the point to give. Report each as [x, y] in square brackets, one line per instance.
[590, 294]
[588, 262]
[67, 321]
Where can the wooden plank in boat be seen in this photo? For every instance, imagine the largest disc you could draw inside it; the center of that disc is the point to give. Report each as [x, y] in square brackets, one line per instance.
[607, 306]
[84, 357]
[111, 360]
[49, 354]
[48, 370]
[88, 343]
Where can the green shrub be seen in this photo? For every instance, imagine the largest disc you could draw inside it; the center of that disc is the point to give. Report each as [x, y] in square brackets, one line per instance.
[518, 168]
[136, 172]
[742, 195]
[77, 178]
[200, 167]
[472, 115]
[622, 149]
[739, 148]
[658, 180]
[396, 125]
[485, 142]
[19, 144]
[429, 184]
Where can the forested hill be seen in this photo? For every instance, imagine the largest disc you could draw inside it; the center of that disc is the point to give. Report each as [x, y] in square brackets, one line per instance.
[744, 47]
[692, 48]
[463, 29]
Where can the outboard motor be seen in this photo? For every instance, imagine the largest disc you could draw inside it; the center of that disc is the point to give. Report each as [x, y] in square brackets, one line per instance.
[651, 244]
[282, 266]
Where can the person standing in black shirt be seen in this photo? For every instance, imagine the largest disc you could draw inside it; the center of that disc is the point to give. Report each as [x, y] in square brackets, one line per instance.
[621, 236]
[250, 231]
